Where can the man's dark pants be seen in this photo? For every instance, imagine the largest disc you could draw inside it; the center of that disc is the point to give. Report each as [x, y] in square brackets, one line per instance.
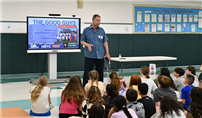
[88, 66]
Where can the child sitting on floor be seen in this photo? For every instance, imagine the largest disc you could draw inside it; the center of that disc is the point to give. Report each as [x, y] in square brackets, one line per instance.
[40, 98]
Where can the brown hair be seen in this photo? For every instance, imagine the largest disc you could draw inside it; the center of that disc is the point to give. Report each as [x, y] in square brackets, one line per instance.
[73, 90]
[145, 71]
[180, 71]
[190, 79]
[94, 77]
[94, 16]
[192, 69]
[200, 83]
[196, 103]
[169, 105]
[122, 81]
[42, 81]
[135, 80]
[94, 96]
[115, 80]
[164, 81]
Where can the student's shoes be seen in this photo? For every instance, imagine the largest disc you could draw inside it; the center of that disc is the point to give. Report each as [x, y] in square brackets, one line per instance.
[51, 106]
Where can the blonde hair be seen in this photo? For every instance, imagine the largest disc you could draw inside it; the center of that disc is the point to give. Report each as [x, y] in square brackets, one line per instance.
[42, 81]
[94, 77]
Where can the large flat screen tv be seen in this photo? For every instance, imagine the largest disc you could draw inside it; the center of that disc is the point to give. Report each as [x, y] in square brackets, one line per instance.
[53, 34]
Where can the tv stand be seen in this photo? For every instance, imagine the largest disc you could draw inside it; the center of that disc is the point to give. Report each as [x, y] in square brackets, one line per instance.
[52, 66]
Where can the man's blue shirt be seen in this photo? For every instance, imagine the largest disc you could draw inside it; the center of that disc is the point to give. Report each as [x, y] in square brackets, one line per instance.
[96, 38]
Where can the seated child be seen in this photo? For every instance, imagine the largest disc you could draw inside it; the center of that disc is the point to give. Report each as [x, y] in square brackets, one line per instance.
[119, 83]
[188, 81]
[135, 80]
[192, 71]
[146, 79]
[163, 90]
[93, 96]
[40, 98]
[120, 110]
[195, 108]
[71, 99]
[96, 111]
[111, 92]
[94, 76]
[148, 103]
[200, 76]
[179, 82]
[131, 96]
[169, 109]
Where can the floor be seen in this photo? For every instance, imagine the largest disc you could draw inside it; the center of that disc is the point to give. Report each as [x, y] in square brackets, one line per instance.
[15, 88]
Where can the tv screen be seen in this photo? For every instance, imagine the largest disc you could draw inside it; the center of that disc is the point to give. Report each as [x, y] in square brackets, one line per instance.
[53, 34]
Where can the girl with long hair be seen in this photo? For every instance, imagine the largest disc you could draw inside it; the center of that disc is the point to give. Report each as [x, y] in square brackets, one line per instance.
[94, 76]
[119, 83]
[93, 96]
[196, 104]
[40, 98]
[71, 98]
[120, 110]
[146, 79]
[170, 109]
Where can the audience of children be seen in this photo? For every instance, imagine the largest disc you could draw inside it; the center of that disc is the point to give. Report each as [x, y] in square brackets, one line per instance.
[96, 111]
[192, 71]
[131, 96]
[169, 109]
[200, 76]
[195, 108]
[120, 110]
[40, 98]
[146, 79]
[114, 103]
[94, 76]
[111, 92]
[179, 82]
[188, 81]
[148, 103]
[163, 90]
[118, 82]
[71, 98]
[93, 96]
[135, 80]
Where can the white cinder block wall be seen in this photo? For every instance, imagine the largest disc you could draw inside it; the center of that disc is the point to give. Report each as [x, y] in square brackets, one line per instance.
[111, 11]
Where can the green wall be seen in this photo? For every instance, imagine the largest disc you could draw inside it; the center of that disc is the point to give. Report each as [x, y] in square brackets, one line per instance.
[186, 47]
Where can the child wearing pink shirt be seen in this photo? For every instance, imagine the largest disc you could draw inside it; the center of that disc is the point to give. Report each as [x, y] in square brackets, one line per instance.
[71, 99]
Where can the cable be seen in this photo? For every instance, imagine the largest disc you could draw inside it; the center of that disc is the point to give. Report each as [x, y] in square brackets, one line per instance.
[44, 64]
[36, 60]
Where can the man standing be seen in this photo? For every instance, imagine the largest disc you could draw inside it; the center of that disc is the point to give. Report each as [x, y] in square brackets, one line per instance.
[95, 40]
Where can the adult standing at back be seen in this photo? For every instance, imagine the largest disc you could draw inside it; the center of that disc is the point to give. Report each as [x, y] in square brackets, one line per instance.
[95, 40]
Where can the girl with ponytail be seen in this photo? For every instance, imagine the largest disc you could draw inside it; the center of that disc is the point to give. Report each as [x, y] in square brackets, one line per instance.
[120, 110]
[146, 79]
[94, 76]
[40, 98]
